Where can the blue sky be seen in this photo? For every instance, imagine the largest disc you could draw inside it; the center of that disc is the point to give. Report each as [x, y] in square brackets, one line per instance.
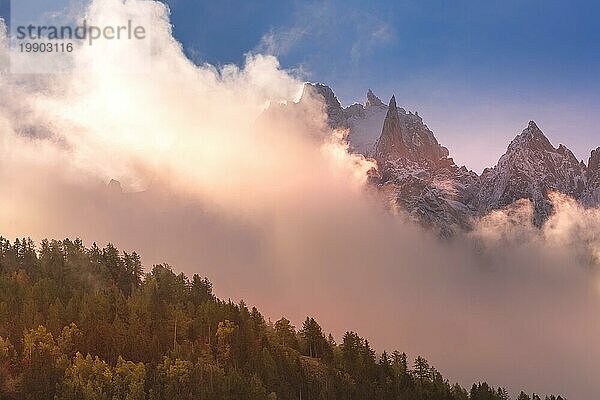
[477, 71]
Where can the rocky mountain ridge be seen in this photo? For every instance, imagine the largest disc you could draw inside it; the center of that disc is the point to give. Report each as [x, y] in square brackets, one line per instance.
[418, 176]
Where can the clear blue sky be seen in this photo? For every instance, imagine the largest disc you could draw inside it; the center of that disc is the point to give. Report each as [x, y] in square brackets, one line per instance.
[476, 70]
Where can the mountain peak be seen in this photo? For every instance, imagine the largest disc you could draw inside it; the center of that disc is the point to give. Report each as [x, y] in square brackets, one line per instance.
[393, 103]
[392, 112]
[533, 138]
[333, 107]
[390, 145]
[323, 90]
[533, 130]
[530, 169]
[373, 100]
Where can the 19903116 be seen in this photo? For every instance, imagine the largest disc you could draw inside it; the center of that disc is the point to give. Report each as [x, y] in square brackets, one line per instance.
[45, 47]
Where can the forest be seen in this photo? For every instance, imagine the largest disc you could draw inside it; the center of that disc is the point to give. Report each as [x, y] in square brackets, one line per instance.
[94, 324]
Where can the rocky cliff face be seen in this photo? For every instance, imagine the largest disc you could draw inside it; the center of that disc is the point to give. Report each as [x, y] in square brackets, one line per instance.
[390, 146]
[365, 124]
[336, 117]
[438, 194]
[591, 195]
[405, 135]
[416, 173]
[421, 178]
[530, 169]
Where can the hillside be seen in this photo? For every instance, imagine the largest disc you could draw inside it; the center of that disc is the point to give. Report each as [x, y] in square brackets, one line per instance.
[88, 323]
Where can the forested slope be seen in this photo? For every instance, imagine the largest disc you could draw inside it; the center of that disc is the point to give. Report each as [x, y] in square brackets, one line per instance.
[87, 323]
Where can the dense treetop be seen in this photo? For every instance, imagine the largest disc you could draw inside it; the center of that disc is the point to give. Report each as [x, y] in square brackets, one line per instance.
[88, 323]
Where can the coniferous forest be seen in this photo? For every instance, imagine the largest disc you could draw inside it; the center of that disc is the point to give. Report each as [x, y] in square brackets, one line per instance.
[90, 323]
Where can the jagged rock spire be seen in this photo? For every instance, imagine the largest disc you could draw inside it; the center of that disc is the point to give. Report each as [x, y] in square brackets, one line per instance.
[392, 105]
[373, 100]
[390, 145]
[330, 98]
[594, 161]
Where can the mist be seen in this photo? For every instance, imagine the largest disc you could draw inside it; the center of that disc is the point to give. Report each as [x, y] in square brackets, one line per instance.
[226, 174]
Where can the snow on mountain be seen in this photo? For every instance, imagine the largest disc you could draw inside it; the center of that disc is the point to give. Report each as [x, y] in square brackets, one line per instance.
[530, 169]
[405, 135]
[365, 124]
[417, 175]
[438, 194]
[336, 117]
[363, 121]
[415, 169]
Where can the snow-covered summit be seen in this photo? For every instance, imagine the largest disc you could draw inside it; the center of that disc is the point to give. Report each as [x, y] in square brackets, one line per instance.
[421, 178]
[531, 168]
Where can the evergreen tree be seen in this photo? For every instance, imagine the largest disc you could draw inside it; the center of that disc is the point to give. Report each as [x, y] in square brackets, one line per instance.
[79, 323]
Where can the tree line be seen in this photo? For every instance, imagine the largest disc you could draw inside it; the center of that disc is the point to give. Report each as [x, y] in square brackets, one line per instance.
[88, 323]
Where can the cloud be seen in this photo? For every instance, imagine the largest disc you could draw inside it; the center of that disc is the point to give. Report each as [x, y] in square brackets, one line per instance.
[280, 42]
[378, 34]
[226, 174]
[571, 226]
[315, 24]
